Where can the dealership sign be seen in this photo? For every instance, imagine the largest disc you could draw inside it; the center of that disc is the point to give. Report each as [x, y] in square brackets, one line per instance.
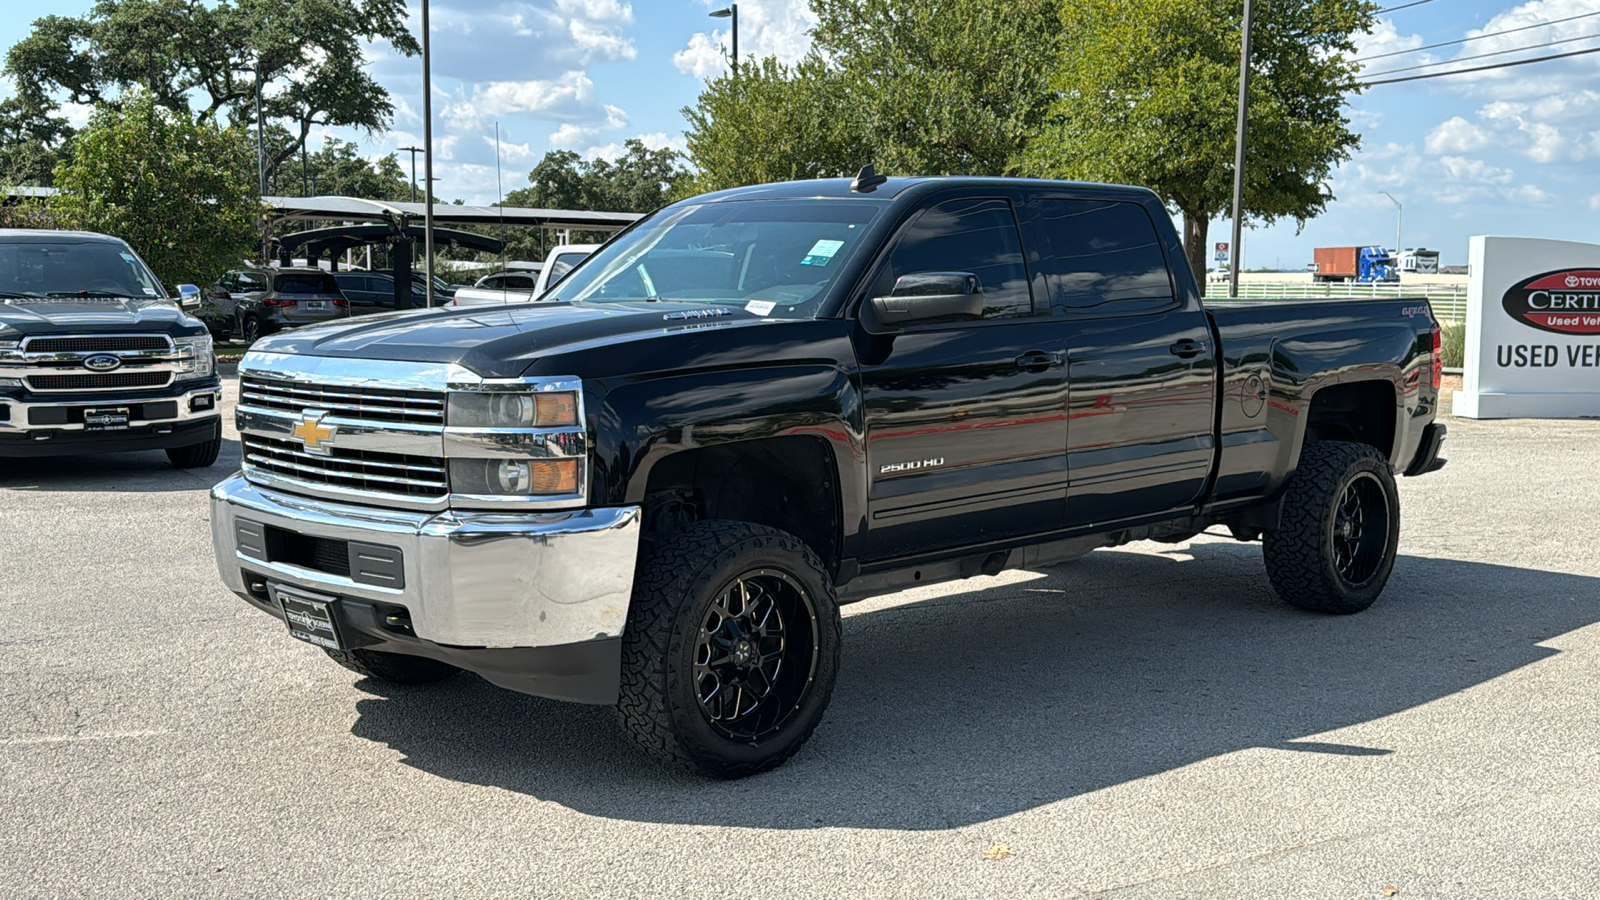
[1533, 330]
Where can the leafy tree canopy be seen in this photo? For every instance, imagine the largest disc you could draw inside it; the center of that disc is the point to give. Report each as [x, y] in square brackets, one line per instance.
[956, 87]
[1147, 91]
[165, 183]
[338, 169]
[640, 180]
[31, 144]
[307, 55]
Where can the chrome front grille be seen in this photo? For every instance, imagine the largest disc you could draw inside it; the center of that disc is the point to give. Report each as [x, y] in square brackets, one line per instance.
[407, 407]
[108, 343]
[99, 381]
[418, 478]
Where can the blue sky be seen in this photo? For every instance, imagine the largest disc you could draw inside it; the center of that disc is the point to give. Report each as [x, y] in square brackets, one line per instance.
[1508, 152]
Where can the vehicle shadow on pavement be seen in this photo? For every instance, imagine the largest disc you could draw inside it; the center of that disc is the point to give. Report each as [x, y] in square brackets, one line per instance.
[145, 471]
[977, 705]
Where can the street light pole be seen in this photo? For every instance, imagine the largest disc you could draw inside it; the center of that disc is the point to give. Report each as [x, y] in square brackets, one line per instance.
[731, 12]
[413, 151]
[1238, 150]
[427, 155]
[1400, 212]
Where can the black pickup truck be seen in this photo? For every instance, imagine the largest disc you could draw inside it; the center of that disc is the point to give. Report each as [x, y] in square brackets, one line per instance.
[654, 489]
[95, 357]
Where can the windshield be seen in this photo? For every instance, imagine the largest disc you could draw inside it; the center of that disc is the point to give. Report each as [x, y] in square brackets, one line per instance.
[64, 267]
[774, 257]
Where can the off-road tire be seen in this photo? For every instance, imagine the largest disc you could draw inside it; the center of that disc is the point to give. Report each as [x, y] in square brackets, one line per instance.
[195, 456]
[1300, 553]
[674, 592]
[395, 668]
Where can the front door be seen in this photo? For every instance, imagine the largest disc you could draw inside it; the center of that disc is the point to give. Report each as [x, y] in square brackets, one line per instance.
[965, 421]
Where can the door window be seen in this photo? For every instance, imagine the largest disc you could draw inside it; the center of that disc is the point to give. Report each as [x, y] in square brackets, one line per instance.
[1102, 256]
[974, 235]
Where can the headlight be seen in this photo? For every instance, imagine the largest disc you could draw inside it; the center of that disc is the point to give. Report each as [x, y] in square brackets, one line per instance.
[195, 357]
[514, 477]
[511, 409]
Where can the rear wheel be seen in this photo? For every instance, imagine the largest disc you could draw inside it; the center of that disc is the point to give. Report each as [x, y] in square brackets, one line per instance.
[395, 668]
[250, 330]
[731, 649]
[1338, 533]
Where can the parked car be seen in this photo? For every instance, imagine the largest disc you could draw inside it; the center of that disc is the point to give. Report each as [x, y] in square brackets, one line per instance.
[520, 287]
[95, 357]
[269, 300]
[442, 290]
[372, 292]
[654, 488]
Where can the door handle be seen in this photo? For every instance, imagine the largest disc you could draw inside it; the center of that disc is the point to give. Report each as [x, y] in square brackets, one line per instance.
[1038, 360]
[1187, 349]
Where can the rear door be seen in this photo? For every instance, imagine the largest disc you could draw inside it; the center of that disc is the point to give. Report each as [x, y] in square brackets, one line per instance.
[1141, 362]
[964, 419]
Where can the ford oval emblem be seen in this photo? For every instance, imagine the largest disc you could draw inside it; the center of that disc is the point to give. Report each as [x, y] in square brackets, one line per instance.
[102, 362]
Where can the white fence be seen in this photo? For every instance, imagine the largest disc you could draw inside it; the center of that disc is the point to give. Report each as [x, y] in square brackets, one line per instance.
[1449, 301]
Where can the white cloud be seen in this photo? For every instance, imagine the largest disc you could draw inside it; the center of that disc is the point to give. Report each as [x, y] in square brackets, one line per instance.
[76, 114]
[598, 10]
[1529, 194]
[1594, 201]
[1386, 41]
[1474, 171]
[597, 41]
[563, 97]
[780, 28]
[655, 140]
[1456, 135]
[572, 135]
[508, 151]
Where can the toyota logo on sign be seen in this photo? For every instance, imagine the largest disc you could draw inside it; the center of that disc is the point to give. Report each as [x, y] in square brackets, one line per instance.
[1566, 301]
[102, 362]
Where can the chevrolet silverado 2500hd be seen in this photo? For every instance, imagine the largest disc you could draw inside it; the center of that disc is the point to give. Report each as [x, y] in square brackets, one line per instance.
[95, 357]
[655, 489]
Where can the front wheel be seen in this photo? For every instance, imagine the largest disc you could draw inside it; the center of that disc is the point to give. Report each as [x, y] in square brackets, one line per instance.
[251, 330]
[1338, 533]
[195, 456]
[731, 649]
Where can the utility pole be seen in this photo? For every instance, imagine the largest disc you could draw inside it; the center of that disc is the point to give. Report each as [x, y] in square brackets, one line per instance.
[1237, 249]
[1399, 212]
[261, 141]
[413, 151]
[731, 12]
[427, 154]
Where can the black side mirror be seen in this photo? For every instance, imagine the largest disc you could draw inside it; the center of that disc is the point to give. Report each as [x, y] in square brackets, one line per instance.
[922, 296]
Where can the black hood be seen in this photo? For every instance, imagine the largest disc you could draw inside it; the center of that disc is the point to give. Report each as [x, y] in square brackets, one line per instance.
[80, 315]
[501, 341]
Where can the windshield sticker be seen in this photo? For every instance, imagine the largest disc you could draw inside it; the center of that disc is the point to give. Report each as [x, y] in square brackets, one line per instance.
[822, 253]
[760, 307]
[127, 258]
[150, 291]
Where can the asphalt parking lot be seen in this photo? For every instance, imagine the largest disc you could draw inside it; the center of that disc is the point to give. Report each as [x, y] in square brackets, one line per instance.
[1146, 722]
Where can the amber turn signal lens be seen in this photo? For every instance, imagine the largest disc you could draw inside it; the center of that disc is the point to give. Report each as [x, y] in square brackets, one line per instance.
[553, 476]
[556, 408]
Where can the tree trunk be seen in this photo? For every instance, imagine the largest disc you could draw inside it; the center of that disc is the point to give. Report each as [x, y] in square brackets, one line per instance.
[1195, 226]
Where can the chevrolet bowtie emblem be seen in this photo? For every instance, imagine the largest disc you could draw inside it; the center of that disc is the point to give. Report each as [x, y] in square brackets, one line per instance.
[313, 433]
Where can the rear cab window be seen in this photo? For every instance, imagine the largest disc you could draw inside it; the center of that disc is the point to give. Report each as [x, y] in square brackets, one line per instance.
[1101, 257]
[305, 283]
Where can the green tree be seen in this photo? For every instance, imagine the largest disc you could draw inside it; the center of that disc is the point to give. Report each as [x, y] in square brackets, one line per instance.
[163, 182]
[640, 180]
[916, 88]
[307, 54]
[338, 169]
[1147, 92]
[31, 144]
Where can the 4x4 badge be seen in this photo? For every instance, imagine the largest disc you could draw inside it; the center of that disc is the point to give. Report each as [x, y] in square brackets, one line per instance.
[313, 433]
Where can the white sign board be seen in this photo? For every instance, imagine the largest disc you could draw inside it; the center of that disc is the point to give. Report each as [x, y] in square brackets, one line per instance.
[1533, 330]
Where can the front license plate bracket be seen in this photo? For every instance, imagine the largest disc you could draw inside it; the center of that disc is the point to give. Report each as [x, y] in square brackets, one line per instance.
[309, 616]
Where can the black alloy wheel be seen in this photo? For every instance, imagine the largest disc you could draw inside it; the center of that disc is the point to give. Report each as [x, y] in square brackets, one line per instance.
[731, 648]
[251, 330]
[1338, 529]
[756, 652]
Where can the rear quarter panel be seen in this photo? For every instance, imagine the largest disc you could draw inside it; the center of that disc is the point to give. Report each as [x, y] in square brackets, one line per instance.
[1277, 355]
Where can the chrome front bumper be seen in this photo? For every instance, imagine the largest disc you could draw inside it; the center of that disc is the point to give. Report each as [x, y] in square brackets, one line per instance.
[524, 579]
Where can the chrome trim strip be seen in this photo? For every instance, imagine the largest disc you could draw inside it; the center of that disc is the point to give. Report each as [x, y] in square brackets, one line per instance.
[351, 434]
[472, 579]
[373, 373]
[320, 489]
[522, 443]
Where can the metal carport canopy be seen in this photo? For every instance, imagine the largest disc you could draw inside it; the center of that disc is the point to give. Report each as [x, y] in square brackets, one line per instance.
[351, 209]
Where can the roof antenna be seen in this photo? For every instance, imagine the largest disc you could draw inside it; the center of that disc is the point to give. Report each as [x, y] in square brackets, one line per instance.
[867, 180]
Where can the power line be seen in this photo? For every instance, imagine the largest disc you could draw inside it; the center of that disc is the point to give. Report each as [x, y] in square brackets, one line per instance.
[1504, 65]
[1401, 6]
[1477, 37]
[1448, 62]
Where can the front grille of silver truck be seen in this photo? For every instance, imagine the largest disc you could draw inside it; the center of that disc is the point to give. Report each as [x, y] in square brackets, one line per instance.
[369, 404]
[418, 478]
